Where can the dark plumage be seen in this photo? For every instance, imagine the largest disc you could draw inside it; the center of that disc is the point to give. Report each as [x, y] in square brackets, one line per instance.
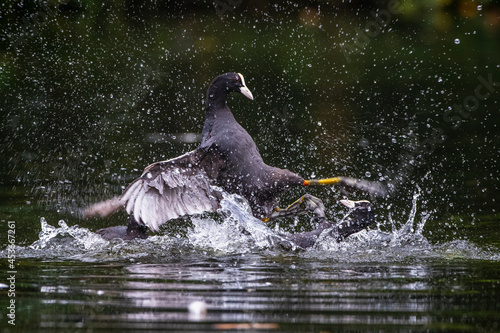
[132, 231]
[243, 171]
[227, 157]
[361, 216]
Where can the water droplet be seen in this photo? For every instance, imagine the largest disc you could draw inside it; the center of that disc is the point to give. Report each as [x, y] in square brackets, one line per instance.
[457, 41]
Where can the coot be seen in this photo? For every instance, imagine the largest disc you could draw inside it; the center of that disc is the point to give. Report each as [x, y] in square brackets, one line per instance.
[361, 216]
[228, 158]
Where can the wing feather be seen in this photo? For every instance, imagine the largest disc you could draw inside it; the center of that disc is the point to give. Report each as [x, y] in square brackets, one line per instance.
[130, 194]
[174, 188]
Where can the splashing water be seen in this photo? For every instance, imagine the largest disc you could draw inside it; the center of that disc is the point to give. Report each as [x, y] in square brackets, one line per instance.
[66, 237]
[238, 232]
[411, 232]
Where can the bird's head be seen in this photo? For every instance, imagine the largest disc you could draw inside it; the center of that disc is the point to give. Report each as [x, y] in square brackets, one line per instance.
[362, 211]
[233, 82]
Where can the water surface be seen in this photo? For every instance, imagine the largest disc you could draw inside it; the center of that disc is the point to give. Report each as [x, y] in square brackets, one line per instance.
[376, 281]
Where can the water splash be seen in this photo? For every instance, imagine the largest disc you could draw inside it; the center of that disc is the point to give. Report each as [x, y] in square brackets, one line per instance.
[410, 233]
[382, 244]
[400, 244]
[238, 210]
[237, 231]
[72, 237]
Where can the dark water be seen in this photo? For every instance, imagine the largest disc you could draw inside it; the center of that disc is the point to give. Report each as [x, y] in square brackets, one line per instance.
[92, 92]
[219, 277]
[262, 292]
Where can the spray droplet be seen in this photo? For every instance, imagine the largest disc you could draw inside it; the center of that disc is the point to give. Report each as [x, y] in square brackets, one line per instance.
[457, 41]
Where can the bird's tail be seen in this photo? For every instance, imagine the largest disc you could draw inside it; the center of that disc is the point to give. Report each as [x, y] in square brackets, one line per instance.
[103, 208]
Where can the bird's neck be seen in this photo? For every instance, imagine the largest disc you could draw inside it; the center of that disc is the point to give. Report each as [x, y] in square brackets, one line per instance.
[216, 99]
[215, 108]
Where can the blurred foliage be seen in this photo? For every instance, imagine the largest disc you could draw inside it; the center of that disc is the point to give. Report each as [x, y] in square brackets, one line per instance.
[92, 92]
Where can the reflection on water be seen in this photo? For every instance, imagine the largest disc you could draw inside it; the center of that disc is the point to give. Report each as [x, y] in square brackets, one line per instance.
[268, 290]
[375, 281]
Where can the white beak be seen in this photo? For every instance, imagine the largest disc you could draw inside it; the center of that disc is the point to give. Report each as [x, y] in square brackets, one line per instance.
[244, 90]
[349, 203]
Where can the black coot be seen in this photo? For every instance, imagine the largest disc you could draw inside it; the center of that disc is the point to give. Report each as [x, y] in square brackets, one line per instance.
[361, 216]
[227, 157]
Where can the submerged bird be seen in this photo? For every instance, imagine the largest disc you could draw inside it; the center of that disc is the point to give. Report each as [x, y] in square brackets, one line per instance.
[228, 158]
[361, 215]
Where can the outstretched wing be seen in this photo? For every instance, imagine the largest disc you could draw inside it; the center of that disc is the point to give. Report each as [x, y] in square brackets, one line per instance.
[173, 188]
